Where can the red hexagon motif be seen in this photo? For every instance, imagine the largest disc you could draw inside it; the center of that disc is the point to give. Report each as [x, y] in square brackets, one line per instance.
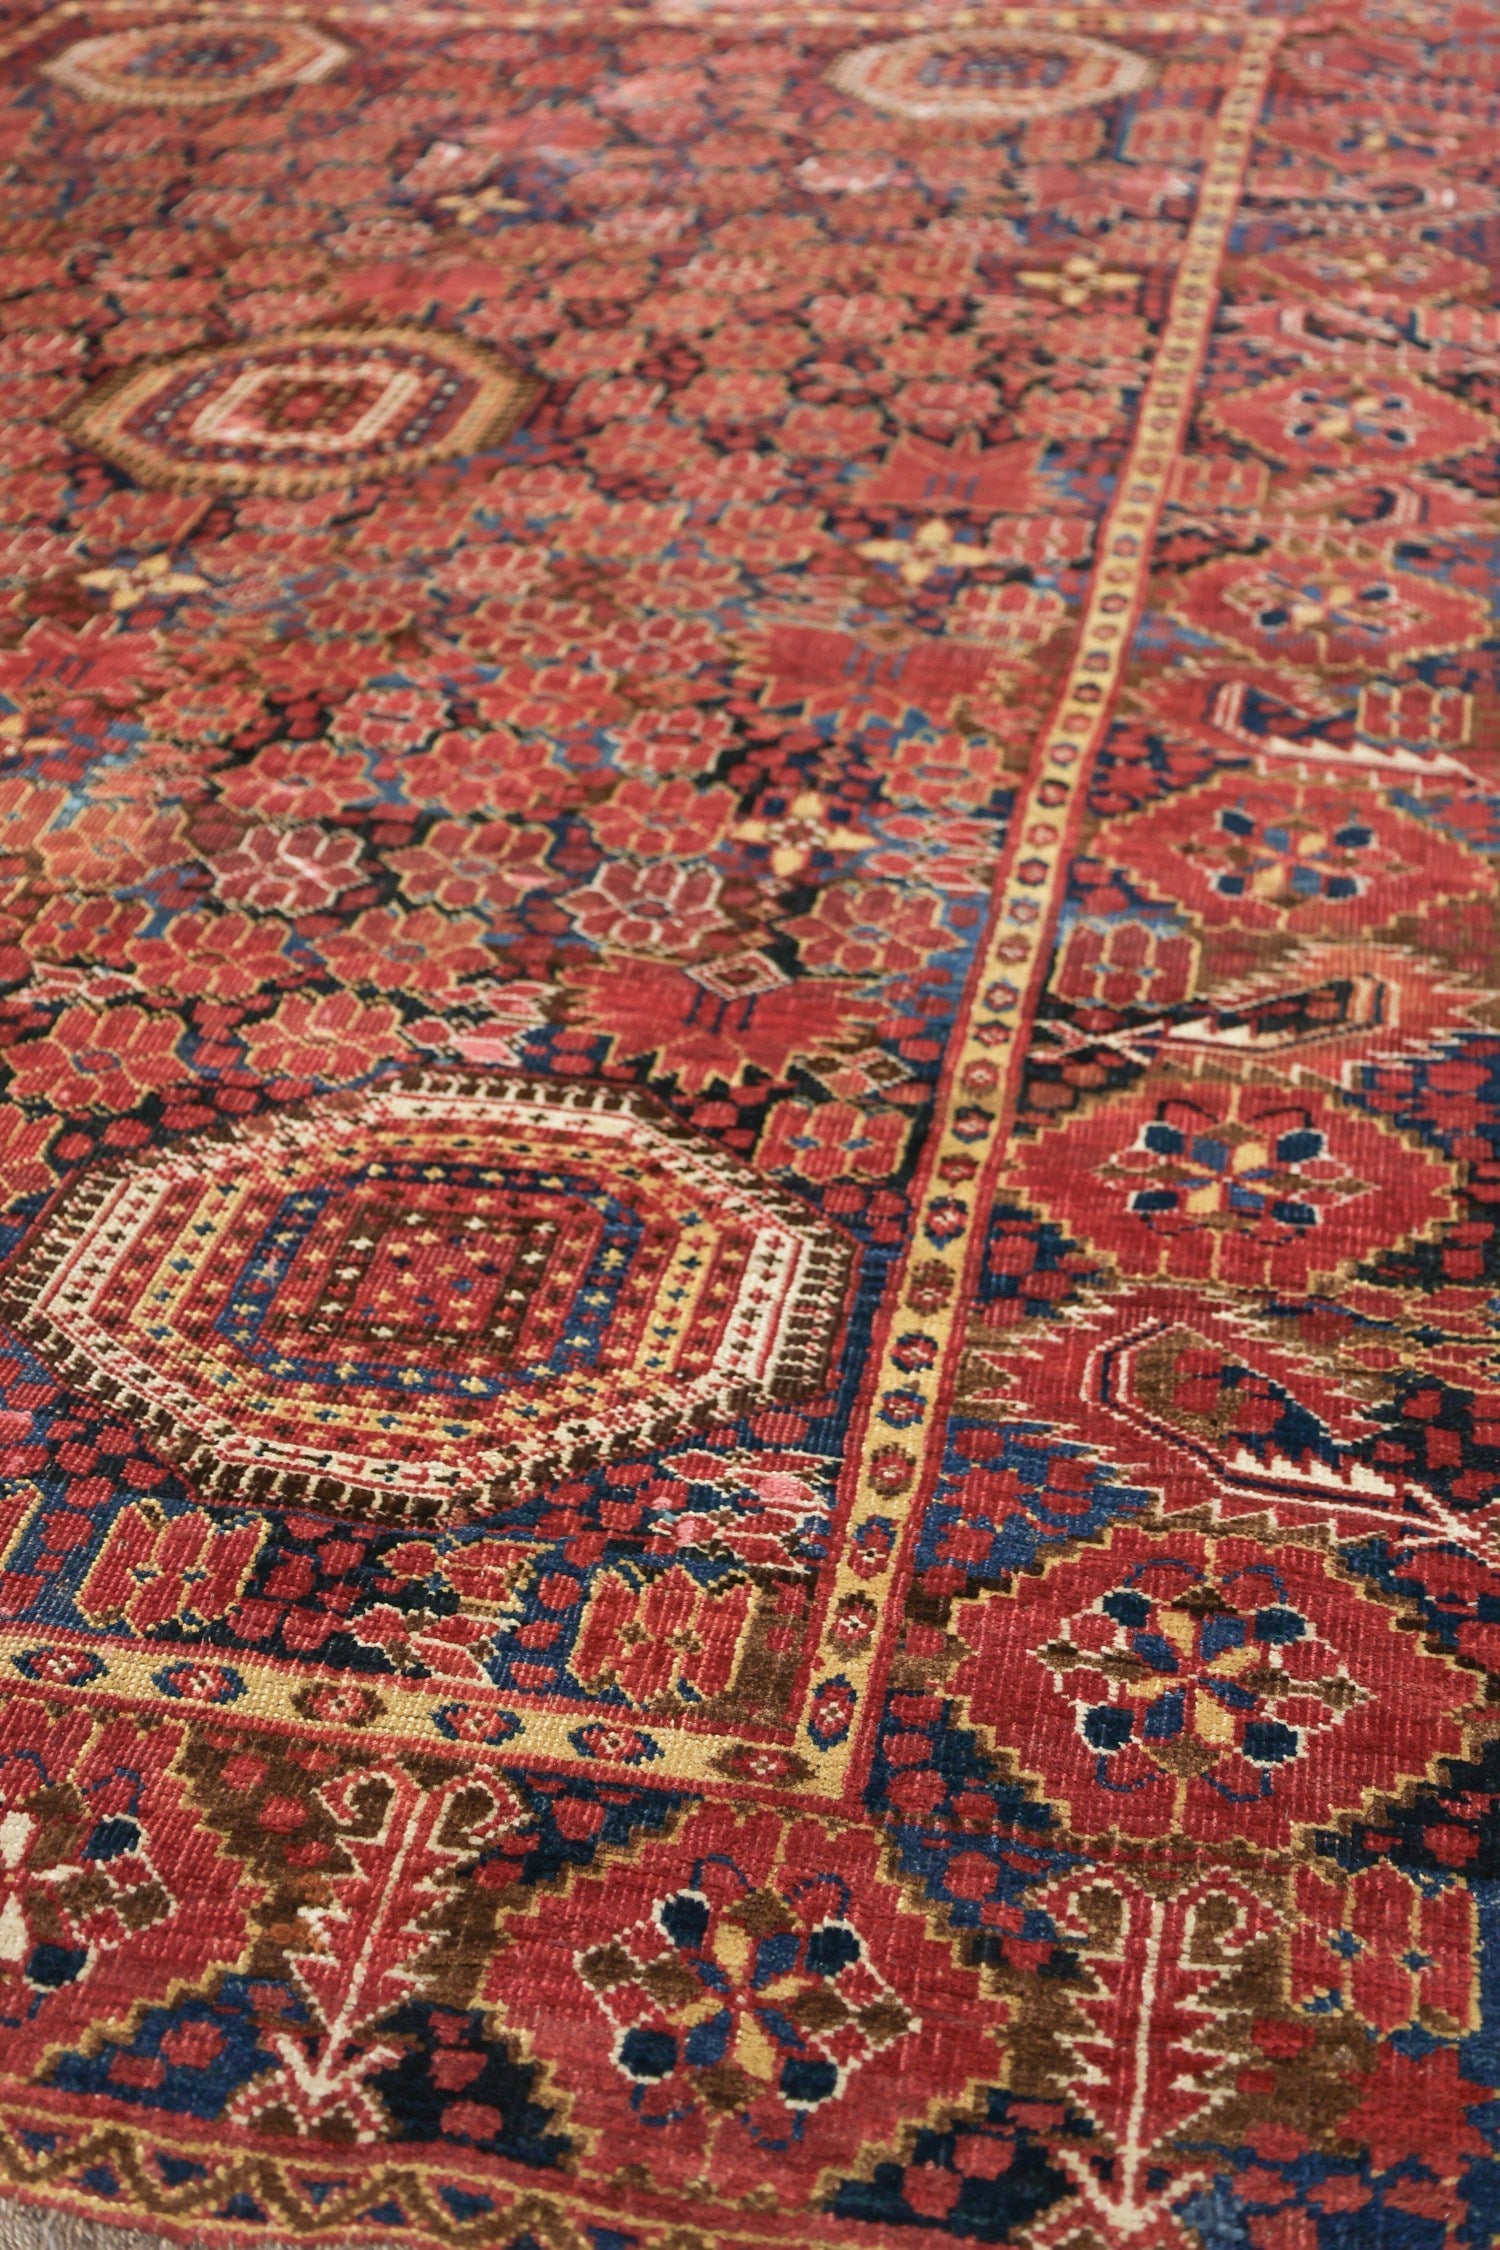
[1367, 416]
[1215, 1687]
[1257, 1186]
[711, 2006]
[1320, 858]
[1326, 601]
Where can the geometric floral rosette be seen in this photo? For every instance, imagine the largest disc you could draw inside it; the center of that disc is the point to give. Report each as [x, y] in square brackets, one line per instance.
[750, 1130]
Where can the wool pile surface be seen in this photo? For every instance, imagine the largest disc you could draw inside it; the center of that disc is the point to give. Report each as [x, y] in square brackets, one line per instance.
[750, 930]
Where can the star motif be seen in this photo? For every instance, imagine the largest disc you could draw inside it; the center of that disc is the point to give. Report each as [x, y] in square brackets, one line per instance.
[467, 210]
[1079, 280]
[794, 836]
[150, 579]
[932, 547]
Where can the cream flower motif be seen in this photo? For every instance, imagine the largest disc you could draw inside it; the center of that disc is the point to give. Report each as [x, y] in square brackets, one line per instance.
[804, 828]
[1082, 278]
[148, 580]
[932, 547]
[465, 210]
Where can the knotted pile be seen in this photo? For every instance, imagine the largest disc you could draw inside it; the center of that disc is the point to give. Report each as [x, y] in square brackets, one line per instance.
[749, 1126]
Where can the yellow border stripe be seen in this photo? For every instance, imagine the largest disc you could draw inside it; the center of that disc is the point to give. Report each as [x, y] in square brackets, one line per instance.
[679, 15]
[984, 1067]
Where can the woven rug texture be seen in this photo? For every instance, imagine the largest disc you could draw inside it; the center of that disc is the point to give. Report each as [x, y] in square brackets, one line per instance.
[749, 1126]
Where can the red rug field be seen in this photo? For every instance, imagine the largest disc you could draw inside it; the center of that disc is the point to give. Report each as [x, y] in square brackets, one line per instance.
[749, 1127]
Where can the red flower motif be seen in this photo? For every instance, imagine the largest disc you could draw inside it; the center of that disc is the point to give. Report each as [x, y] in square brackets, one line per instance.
[941, 408]
[834, 432]
[98, 851]
[389, 719]
[99, 1058]
[288, 870]
[298, 781]
[71, 927]
[870, 929]
[424, 952]
[225, 956]
[493, 865]
[670, 820]
[1070, 410]
[738, 396]
[661, 908]
[464, 772]
[206, 710]
[334, 1037]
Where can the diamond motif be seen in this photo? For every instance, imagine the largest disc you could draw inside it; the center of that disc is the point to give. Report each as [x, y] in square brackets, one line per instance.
[1235, 1183]
[754, 1987]
[1315, 857]
[1370, 417]
[1213, 1686]
[1323, 599]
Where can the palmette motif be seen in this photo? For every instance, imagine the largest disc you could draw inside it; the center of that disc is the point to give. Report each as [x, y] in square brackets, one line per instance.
[750, 951]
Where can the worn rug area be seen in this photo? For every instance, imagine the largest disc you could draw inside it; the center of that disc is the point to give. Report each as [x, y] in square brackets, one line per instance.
[750, 1134]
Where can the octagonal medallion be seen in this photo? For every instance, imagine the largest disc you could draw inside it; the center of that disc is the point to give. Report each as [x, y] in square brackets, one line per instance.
[987, 79]
[421, 1300]
[189, 64]
[303, 410]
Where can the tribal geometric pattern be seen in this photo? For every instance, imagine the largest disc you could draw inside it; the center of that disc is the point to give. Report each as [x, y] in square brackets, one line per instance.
[432, 1295]
[304, 410]
[749, 1126]
[183, 65]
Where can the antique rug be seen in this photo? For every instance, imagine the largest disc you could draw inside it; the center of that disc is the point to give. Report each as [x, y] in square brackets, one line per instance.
[749, 1126]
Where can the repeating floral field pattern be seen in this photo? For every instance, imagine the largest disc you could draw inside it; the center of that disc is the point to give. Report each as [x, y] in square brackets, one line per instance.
[749, 1126]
